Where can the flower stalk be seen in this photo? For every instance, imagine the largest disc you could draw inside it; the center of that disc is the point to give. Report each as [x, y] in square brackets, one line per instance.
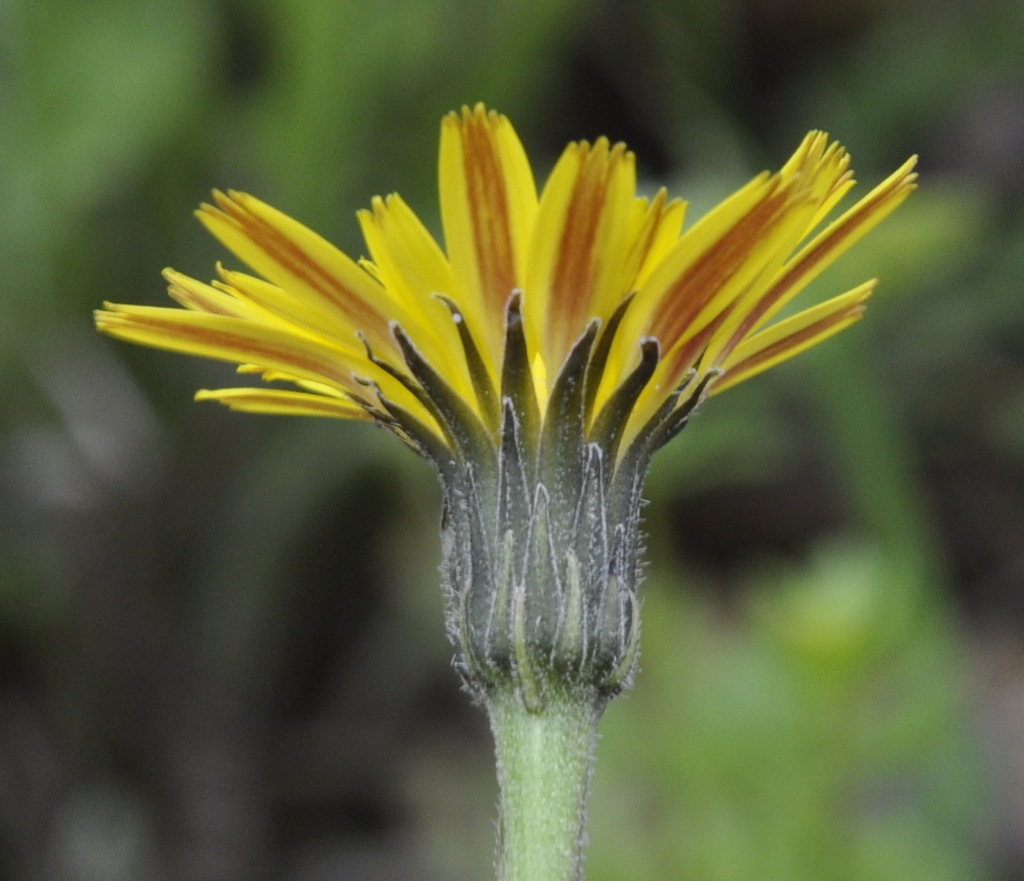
[545, 761]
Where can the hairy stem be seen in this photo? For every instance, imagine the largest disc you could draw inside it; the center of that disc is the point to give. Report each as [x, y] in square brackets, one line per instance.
[545, 758]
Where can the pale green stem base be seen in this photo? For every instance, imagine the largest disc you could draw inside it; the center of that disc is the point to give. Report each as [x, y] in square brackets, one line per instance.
[545, 760]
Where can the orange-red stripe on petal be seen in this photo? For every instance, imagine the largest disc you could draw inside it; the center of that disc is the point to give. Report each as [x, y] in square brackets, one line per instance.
[580, 245]
[823, 250]
[787, 338]
[295, 258]
[682, 307]
[708, 270]
[488, 200]
[227, 338]
[700, 288]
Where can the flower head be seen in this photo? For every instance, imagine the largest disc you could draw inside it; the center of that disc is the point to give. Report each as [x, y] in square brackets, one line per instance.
[537, 360]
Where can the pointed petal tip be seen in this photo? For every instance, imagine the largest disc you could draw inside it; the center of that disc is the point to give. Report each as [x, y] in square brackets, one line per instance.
[228, 202]
[218, 209]
[112, 310]
[222, 198]
[470, 113]
[175, 278]
[908, 170]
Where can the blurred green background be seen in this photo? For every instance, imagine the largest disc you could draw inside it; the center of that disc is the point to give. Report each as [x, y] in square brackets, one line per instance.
[221, 643]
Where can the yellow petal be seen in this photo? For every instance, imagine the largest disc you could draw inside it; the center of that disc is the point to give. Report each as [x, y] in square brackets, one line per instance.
[295, 258]
[415, 271]
[720, 256]
[700, 280]
[657, 231]
[283, 402]
[276, 305]
[488, 202]
[807, 264]
[201, 297]
[841, 234]
[261, 348]
[656, 228]
[227, 338]
[787, 338]
[580, 246]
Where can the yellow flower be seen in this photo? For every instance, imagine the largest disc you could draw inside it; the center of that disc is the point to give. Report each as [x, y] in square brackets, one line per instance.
[537, 360]
[684, 308]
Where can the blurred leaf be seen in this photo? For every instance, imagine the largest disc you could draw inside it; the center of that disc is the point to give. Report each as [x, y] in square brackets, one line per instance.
[94, 89]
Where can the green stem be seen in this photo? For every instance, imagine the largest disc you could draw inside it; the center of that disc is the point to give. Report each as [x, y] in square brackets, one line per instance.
[545, 758]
